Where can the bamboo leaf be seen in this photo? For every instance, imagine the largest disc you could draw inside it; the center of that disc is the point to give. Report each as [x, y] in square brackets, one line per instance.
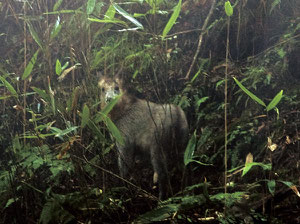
[60, 133]
[9, 87]
[115, 21]
[110, 13]
[248, 166]
[275, 101]
[228, 8]
[30, 65]
[255, 98]
[90, 6]
[128, 16]
[172, 20]
[57, 4]
[189, 151]
[56, 29]
[65, 65]
[110, 106]
[58, 68]
[66, 11]
[35, 35]
[42, 93]
[114, 131]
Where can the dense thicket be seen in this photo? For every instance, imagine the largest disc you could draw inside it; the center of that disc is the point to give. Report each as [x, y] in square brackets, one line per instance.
[58, 161]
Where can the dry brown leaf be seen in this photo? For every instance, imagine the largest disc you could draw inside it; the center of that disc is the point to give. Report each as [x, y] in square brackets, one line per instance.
[249, 158]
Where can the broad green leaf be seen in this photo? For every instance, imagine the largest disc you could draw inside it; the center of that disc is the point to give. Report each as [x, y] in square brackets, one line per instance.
[275, 101]
[110, 106]
[56, 29]
[110, 13]
[202, 100]
[128, 16]
[57, 4]
[90, 6]
[271, 186]
[172, 20]
[35, 35]
[189, 151]
[248, 166]
[58, 68]
[85, 116]
[255, 98]
[9, 87]
[42, 93]
[114, 131]
[10, 201]
[228, 8]
[30, 65]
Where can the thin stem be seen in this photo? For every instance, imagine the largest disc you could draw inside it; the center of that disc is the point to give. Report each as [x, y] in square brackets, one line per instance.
[225, 112]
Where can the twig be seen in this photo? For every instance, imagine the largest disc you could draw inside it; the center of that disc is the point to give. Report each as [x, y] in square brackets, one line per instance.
[117, 176]
[201, 38]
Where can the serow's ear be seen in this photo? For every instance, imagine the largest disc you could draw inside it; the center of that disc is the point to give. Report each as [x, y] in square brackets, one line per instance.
[118, 75]
[99, 75]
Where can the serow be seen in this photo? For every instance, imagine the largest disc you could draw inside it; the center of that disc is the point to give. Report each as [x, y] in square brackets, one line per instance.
[154, 132]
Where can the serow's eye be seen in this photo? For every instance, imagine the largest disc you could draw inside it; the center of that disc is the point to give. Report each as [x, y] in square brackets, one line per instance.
[117, 88]
[102, 89]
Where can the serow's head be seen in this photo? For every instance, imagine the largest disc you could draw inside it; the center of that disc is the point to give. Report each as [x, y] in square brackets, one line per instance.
[110, 88]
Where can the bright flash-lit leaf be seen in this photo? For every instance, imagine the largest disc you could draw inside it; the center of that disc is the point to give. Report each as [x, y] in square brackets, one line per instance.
[56, 29]
[189, 151]
[30, 65]
[58, 68]
[275, 101]
[250, 165]
[172, 20]
[10, 88]
[228, 8]
[128, 16]
[255, 98]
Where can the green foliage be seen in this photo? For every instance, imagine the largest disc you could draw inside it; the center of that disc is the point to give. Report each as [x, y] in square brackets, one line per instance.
[173, 206]
[248, 166]
[228, 8]
[61, 208]
[127, 16]
[30, 65]
[270, 106]
[90, 6]
[9, 87]
[60, 148]
[172, 20]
